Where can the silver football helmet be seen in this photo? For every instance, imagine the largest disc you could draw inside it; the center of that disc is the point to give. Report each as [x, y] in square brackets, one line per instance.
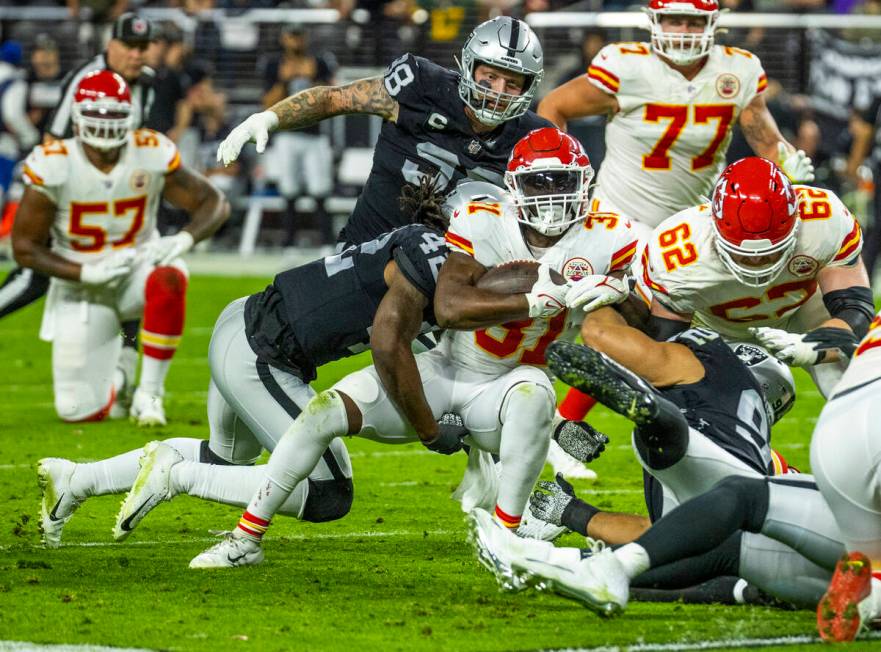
[775, 377]
[505, 43]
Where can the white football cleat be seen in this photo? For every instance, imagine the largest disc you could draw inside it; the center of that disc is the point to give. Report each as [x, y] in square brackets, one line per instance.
[126, 367]
[151, 486]
[147, 409]
[58, 502]
[532, 527]
[598, 582]
[232, 551]
[564, 463]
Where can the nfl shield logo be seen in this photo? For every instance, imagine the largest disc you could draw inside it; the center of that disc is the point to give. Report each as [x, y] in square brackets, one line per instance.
[473, 148]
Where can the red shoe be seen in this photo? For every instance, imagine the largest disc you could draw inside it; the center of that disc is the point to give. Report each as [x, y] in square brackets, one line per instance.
[838, 614]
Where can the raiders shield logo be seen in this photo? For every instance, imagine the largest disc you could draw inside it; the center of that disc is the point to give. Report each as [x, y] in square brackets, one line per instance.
[576, 269]
[727, 85]
[802, 265]
[139, 180]
[749, 354]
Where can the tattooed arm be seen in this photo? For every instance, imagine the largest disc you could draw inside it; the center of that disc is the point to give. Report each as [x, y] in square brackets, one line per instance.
[760, 130]
[315, 104]
[208, 208]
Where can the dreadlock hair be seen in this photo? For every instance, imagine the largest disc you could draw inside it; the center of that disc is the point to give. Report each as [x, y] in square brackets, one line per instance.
[421, 204]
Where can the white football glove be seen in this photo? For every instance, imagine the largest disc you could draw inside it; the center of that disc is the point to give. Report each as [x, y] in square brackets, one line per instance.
[595, 291]
[166, 249]
[255, 128]
[787, 347]
[108, 270]
[546, 298]
[796, 165]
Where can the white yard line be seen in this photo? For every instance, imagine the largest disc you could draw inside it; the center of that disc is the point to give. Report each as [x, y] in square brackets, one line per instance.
[711, 645]
[25, 646]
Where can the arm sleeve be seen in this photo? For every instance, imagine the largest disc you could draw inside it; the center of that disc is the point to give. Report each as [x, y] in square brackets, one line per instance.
[419, 258]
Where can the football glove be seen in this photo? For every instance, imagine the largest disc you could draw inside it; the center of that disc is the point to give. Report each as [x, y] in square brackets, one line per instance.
[166, 249]
[795, 164]
[450, 432]
[580, 440]
[108, 270]
[255, 129]
[805, 350]
[595, 291]
[546, 298]
[551, 505]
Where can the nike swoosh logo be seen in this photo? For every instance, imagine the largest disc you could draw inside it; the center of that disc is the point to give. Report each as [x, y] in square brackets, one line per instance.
[53, 516]
[233, 560]
[126, 524]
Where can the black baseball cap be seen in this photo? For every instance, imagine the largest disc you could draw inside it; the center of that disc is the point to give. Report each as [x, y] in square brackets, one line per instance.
[131, 28]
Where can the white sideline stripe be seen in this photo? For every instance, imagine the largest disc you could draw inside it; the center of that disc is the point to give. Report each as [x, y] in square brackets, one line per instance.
[709, 645]
[25, 646]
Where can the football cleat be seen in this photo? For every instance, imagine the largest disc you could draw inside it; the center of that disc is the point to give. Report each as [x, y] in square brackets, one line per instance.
[598, 582]
[495, 546]
[232, 551]
[58, 502]
[126, 367]
[151, 486]
[608, 382]
[147, 409]
[839, 617]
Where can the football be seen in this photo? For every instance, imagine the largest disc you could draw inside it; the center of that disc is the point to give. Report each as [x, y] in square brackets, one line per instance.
[515, 277]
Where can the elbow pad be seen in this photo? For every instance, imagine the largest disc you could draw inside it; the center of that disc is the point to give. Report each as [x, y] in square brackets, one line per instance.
[662, 329]
[854, 305]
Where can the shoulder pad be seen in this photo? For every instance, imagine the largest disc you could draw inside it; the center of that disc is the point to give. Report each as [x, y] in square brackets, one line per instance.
[48, 164]
[155, 150]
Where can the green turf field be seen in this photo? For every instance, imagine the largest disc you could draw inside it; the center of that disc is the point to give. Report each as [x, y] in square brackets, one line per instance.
[396, 574]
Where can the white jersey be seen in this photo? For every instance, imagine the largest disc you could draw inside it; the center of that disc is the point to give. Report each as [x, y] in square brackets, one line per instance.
[666, 145]
[682, 269]
[865, 366]
[99, 213]
[490, 232]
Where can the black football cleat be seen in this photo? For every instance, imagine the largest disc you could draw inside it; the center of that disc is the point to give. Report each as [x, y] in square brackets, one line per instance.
[596, 374]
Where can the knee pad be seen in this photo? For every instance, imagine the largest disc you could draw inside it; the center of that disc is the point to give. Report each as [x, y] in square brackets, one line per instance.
[79, 402]
[531, 400]
[328, 500]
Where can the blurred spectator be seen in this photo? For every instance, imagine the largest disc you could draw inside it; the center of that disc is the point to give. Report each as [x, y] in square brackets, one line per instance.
[300, 162]
[865, 126]
[592, 42]
[97, 16]
[44, 80]
[17, 132]
[172, 81]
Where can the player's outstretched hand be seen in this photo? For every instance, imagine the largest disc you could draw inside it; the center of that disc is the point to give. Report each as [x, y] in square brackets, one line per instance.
[553, 499]
[255, 129]
[108, 270]
[546, 298]
[595, 291]
[580, 440]
[166, 249]
[787, 347]
[796, 164]
[450, 431]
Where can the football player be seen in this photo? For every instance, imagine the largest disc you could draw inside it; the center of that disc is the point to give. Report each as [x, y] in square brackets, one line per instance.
[672, 104]
[97, 194]
[763, 258]
[437, 122]
[847, 464]
[493, 376]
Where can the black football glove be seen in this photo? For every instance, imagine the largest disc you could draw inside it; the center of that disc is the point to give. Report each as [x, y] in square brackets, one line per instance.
[450, 431]
[581, 440]
[551, 505]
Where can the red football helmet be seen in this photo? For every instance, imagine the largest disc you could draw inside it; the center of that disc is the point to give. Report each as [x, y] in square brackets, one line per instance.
[683, 48]
[755, 218]
[549, 178]
[102, 110]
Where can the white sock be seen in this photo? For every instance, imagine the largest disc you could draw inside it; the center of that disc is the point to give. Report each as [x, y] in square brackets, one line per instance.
[634, 559]
[299, 451]
[153, 373]
[231, 485]
[117, 474]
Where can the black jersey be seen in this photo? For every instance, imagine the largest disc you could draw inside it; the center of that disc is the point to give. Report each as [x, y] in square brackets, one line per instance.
[727, 404]
[324, 310]
[432, 135]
